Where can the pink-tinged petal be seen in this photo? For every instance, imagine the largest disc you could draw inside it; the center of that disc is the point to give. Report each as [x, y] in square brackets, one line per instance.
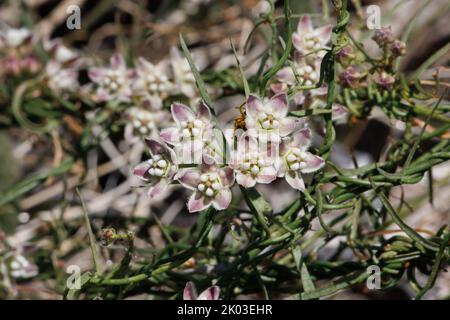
[140, 170]
[288, 125]
[302, 139]
[295, 180]
[190, 178]
[299, 98]
[203, 111]
[197, 202]
[181, 113]
[305, 25]
[172, 156]
[227, 176]
[190, 292]
[297, 41]
[170, 135]
[212, 293]
[247, 144]
[278, 87]
[154, 146]
[286, 75]
[96, 74]
[282, 168]
[267, 175]
[158, 188]
[313, 163]
[251, 124]
[279, 104]
[245, 180]
[222, 199]
[339, 112]
[324, 33]
[254, 106]
[128, 133]
[143, 64]
[323, 90]
[102, 95]
[117, 61]
[191, 151]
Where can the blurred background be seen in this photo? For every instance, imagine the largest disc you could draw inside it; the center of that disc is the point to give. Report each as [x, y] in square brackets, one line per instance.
[40, 213]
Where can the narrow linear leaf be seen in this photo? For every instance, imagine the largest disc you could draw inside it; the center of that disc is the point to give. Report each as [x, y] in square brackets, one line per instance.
[198, 79]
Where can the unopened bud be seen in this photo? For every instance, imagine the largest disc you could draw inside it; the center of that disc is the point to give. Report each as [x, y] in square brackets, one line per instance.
[345, 55]
[383, 37]
[349, 78]
[398, 48]
[107, 236]
[384, 80]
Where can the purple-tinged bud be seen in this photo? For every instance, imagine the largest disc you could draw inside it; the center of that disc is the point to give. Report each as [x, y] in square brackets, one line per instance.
[350, 78]
[345, 55]
[398, 48]
[383, 37]
[384, 80]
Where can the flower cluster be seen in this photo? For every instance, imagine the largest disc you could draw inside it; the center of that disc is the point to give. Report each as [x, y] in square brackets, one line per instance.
[302, 75]
[20, 58]
[352, 76]
[145, 88]
[273, 145]
[142, 89]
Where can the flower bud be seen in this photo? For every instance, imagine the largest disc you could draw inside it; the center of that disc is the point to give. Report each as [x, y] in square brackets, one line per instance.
[345, 55]
[383, 37]
[107, 236]
[398, 48]
[384, 80]
[350, 78]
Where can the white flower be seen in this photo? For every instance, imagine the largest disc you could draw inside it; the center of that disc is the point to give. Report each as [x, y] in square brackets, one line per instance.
[268, 120]
[252, 165]
[62, 54]
[296, 160]
[190, 130]
[144, 122]
[303, 74]
[190, 293]
[308, 41]
[113, 83]
[183, 76]
[210, 184]
[159, 169]
[14, 38]
[20, 267]
[152, 81]
[59, 78]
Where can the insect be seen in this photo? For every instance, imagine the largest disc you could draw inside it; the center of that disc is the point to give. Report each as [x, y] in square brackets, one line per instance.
[239, 122]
